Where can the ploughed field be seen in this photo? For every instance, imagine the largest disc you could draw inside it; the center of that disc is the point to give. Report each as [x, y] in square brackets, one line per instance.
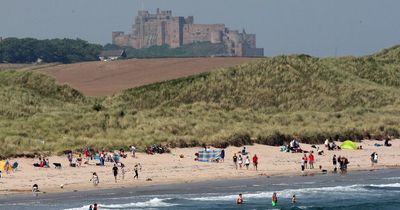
[106, 78]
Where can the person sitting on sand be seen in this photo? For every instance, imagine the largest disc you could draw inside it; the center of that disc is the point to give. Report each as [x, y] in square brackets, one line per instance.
[239, 199]
[95, 179]
[244, 152]
[79, 160]
[387, 144]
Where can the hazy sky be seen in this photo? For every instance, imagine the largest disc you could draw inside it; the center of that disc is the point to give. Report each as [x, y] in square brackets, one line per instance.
[316, 27]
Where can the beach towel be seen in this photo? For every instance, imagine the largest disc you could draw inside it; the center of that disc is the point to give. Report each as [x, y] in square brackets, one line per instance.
[209, 155]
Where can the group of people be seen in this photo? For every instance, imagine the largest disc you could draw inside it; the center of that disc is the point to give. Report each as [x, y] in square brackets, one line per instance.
[42, 163]
[239, 162]
[274, 199]
[342, 161]
[307, 161]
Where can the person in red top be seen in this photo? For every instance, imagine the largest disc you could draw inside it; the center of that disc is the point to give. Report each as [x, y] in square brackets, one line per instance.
[305, 160]
[255, 161]
[311, 160]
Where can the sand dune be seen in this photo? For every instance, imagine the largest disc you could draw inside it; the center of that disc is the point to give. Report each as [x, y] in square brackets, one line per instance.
[107, 78]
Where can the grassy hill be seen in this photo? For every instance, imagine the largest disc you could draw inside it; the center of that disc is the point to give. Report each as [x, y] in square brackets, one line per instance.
[267, 101]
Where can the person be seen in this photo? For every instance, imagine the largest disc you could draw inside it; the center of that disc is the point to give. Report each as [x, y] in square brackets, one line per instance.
[35, 188]
[69, 156]
[102, 158]
[373, 159]
[235, 159]
[95, 179]
[326, 143]
[387, 144]
[294, 198]
[376, 158]
[90, 207]
[274, 199]
[136, 169]
[87, 155]
[255, 161]
[79, 160]
[115, 171]
[311, 159]
[7, 165]
[123, 171]
[302, 165]
[133, 151]
[334, 162]
[247, 162]
[305, 160]
[222, 155]
[95, 206]
[240, 161]
[244, 152]
[239, 199]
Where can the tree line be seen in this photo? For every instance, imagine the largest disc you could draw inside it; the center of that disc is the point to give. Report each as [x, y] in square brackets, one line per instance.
[30, 50]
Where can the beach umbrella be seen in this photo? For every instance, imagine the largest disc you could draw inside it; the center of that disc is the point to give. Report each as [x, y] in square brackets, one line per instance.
[348, 144]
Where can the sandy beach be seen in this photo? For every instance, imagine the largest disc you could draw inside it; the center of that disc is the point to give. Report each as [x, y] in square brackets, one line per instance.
[171, 168]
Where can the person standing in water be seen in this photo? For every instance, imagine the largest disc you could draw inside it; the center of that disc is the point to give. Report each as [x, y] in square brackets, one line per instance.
[239, 199]
[274, 199]
[294, 198]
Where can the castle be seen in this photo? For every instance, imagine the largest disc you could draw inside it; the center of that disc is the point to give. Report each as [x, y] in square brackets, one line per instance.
[164, 29]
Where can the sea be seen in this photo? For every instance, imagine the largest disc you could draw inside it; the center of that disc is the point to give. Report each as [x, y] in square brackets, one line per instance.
[378, 189]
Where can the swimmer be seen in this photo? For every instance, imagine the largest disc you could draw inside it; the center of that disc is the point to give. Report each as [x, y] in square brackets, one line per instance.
[294, 198]
[274, 199]
[239, 199]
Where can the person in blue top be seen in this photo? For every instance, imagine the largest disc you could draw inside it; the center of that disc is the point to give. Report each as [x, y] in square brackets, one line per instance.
[222, 155]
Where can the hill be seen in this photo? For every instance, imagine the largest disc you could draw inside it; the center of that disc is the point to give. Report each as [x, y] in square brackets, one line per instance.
[107, 78]
[267, 101]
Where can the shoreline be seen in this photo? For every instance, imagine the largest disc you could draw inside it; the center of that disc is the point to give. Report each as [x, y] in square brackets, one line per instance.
[169, 169]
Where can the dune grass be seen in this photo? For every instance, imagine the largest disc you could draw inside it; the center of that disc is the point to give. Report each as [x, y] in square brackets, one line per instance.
[268, 101]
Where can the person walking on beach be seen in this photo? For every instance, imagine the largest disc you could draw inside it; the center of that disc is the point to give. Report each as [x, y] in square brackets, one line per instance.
[95, 179]
[247, 162]
[240, 161]
[235, 159]
[123, 171]
[311, 159]
[133, 151]
[302, 165]
[222, 155]
[334, 162]
[305, 160]
[274, 199]
[239, 199]
[255, 161]
[115, 171]
[136, 169]
[374, 159]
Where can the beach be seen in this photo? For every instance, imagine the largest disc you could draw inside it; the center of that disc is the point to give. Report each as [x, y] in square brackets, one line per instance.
[171, 168]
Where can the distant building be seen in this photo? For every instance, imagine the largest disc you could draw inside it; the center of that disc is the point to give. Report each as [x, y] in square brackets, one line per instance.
[108, 55]
[164, 29]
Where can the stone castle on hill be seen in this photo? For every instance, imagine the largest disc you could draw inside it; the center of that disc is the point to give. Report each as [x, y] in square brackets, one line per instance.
[164, 29]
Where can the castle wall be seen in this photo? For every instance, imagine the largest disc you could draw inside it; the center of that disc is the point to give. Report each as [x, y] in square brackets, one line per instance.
[200, 32]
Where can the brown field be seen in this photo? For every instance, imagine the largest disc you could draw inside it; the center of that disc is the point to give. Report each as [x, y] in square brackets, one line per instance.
[106, 78]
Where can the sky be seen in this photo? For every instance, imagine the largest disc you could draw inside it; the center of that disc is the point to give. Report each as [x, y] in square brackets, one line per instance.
[314, 27]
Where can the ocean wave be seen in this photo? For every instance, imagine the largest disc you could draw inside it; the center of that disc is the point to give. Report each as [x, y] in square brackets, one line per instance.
[153, 203]
[394, 185]
[287, 193]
